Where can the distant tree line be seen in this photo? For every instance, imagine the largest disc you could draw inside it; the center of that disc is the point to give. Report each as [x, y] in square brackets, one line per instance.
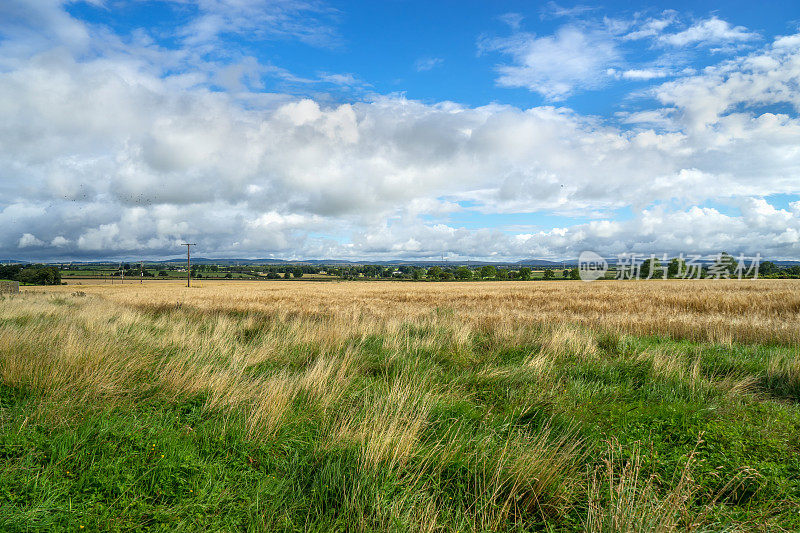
[769, 269]
[445, 273]
[31, 274]
[725, 266]
[268, 271]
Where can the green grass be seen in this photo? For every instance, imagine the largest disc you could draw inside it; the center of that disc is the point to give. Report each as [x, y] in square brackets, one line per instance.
[154, 461]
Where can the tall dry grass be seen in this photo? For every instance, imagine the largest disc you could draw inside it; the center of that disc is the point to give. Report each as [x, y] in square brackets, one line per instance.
[624, 499]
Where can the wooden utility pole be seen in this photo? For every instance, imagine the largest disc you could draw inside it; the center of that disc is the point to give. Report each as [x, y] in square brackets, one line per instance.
[188, 264]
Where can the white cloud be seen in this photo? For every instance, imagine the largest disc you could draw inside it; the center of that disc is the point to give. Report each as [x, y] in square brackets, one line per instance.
[696, 230]
[586, 55]
[644, 74]
[788, 41]
[196, 165]
[305, 20]
[108, 156]
[652, 27]
[554, 10]
[762, 78]
[556, 65]
[427, 63]
[340, 79]
[29, 27]
[662, 119]
[513, 20]
[709, 31]
[28, 240]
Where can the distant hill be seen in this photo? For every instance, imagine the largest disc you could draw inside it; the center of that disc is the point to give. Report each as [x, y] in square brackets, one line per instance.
[207, 261]
[545, 263]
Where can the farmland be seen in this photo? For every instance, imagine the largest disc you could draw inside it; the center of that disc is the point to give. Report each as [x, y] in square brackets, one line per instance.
[388, 406]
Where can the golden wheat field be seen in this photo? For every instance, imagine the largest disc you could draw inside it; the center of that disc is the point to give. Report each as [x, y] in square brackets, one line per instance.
[373, 406]
[713, 310]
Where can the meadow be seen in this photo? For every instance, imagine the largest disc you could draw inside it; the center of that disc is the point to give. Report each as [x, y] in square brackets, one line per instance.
[401, 406]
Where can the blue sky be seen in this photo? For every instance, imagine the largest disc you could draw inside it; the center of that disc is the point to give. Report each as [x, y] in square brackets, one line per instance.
[430, 51]
[398, 129]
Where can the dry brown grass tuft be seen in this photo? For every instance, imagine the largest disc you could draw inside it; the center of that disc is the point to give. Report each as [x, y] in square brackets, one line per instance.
[622, 499]
[785, 368]
[529, 475]
[569, 340]
[388, 428]
[672, 365]
[665, 362]
[97, 352]
[69, 365]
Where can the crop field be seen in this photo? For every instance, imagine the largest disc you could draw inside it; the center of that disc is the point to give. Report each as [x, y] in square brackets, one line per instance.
[400, 406]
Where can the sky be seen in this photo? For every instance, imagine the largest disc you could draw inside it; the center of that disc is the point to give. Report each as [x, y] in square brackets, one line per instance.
[364, 130]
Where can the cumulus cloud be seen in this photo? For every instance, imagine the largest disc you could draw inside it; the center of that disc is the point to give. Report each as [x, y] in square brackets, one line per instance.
[28, 240]
[764, 78]
[29, 27]
[758, 229]
[556, 65]
[107, 156]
